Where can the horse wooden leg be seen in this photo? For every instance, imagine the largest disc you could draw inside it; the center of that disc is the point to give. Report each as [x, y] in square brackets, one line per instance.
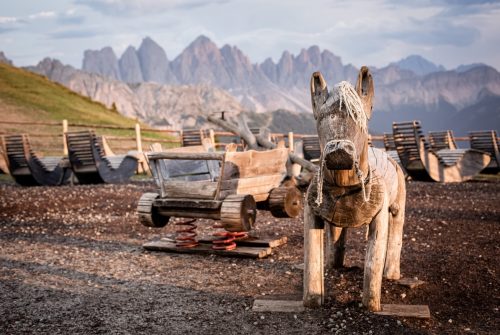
[335, 246]
[375, 258]
[314, 288]
[395, 239]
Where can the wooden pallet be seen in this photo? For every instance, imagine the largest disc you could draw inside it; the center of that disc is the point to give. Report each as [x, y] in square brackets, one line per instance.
[251, 247]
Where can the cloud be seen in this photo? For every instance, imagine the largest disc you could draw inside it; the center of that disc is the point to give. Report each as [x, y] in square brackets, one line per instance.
[71, 34]
[434, 32]
[70, 17]
[8, 19]
[10, 23]
[141, 7]
[42, 15]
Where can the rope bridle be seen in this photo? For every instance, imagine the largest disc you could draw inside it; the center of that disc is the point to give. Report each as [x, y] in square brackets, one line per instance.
[331, 146]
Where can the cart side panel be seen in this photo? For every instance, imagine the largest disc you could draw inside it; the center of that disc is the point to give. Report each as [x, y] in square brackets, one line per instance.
[191, 190]
[253, 163]
[253, 172]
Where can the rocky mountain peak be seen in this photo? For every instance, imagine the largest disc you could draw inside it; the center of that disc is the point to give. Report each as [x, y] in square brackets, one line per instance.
[130, 66]
[4, 59]
[419, 65]
[154, 63]
[103, 62]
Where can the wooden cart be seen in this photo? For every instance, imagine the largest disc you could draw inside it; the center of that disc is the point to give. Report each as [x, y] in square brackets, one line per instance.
[225, 186]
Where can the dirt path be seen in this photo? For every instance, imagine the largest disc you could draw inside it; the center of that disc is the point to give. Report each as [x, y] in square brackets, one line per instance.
[71, 261]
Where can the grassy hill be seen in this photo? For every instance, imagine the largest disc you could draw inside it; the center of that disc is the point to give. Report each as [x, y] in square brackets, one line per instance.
[29, 97]
[35, 98]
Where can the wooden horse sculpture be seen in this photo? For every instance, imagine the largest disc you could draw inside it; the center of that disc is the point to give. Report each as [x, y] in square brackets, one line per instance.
[355, 185]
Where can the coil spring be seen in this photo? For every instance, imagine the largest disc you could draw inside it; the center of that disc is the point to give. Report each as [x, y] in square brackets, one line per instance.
[186, 237]
[227, 239]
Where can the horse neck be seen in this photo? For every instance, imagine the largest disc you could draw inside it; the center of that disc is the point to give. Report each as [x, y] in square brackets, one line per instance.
[349, 177]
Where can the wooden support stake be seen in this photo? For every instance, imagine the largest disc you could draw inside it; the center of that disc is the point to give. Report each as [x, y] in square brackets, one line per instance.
[138, 137]
[65, 130]
[290, 141]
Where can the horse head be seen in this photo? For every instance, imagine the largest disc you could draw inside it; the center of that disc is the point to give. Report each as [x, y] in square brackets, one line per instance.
[342, 121]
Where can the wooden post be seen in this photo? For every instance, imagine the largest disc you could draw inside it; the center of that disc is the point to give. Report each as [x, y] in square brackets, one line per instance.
[65, 130]
[290, 141]
[212, 136]
[138, 139]
[314, 287]
[142, 166]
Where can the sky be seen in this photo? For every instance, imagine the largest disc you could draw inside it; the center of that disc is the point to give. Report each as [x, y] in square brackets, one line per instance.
[372, 32]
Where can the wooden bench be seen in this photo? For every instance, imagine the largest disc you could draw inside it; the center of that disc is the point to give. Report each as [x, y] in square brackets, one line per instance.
[422, 163]
[30, 169]
[90, 163]
[487, 141]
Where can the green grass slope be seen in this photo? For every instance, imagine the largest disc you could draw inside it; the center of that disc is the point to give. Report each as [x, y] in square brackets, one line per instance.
[30, 97]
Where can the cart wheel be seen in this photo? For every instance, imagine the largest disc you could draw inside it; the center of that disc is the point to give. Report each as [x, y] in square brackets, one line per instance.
[238, 212]
[285, 202]
[148, 215]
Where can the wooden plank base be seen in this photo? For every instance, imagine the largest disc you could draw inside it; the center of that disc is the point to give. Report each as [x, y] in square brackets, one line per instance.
[410, 282]
[251, 247]
[410, 311]
[286, 306]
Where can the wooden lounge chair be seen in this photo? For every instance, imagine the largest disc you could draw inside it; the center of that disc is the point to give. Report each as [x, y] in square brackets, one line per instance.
[91, 165]
[440, 140]
[29, 169]
[422, 163]
[194, 137]
[310, 147]
[390, 149]
[487, 141]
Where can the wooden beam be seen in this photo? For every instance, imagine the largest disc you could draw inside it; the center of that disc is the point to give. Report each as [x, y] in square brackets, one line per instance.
[409, 311]
[285, 306]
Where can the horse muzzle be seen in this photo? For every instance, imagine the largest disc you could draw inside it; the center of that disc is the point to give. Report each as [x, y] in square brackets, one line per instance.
[339, 155]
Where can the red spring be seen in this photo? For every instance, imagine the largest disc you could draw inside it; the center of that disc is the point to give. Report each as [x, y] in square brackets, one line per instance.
[227, 240]
[186, 237]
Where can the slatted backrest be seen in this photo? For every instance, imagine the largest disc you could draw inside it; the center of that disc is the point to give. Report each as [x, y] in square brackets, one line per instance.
[17, 150]
[485, 141]
[80, 147]
[440, 140]
[311, 147]
[408, 137]
[191, 137]
[389, 142]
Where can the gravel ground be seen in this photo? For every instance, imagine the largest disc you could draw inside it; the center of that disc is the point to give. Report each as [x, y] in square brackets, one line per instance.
[71, 261]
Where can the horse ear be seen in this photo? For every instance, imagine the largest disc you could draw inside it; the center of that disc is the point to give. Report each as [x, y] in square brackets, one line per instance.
[366, 90]
[319, 90]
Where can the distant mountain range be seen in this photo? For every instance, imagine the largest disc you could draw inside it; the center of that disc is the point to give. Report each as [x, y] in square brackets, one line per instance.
[412, 88]
[137, 82]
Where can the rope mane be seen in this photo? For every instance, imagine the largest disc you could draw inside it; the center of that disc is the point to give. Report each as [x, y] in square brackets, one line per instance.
[345, 94]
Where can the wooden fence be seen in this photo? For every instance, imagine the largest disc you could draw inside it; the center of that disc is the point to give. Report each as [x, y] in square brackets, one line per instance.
[134, 140]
